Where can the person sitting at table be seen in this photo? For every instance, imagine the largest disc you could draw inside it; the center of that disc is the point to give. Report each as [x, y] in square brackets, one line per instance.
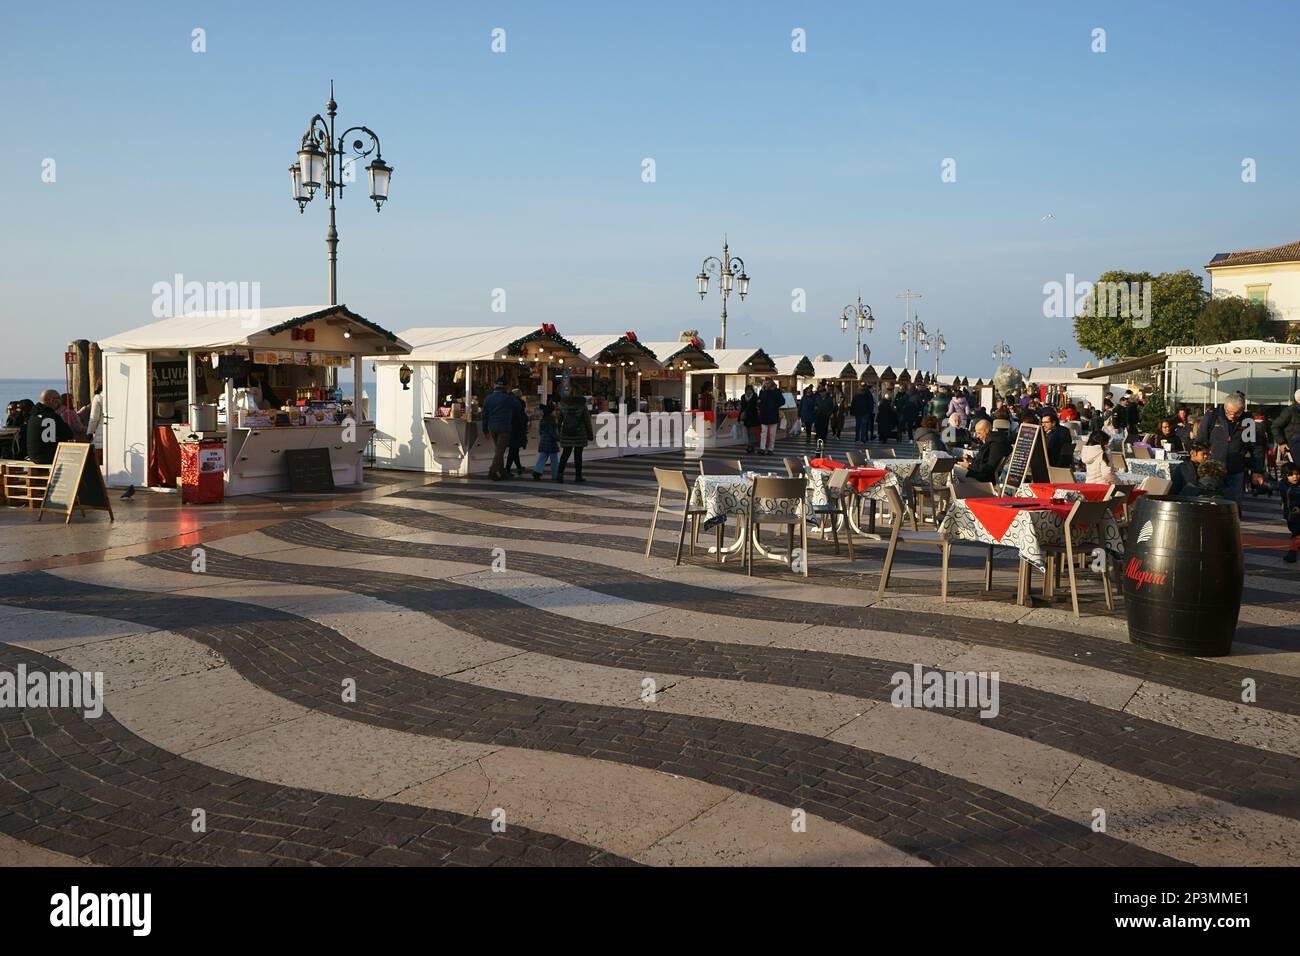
[1096, 460]
[954, 435]
[1186, 477]
[46, 428]
[927, 436]
[1167, 436]
[994, 447]
[1059, 441]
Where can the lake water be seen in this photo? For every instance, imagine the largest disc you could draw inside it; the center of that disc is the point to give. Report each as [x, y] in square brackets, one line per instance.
[12, 389]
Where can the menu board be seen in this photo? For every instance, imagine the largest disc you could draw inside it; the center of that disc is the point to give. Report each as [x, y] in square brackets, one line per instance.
[1028, 457]
[75, 482]
[310, 469]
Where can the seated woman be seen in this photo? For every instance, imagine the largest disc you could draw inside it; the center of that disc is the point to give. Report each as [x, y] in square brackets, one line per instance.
[1096, 460]
[1167, 436]
[927, 437]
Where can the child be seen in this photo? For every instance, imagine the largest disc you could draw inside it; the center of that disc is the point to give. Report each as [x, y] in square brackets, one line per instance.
[1291, 507]
[1096, 460]
[1211, 475]
[548, 446]
[1186, 476]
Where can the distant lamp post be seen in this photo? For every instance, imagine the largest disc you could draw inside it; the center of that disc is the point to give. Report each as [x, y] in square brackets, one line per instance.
[1057, 357]
[322, 158]
[861, 318]
[940, 346]
[913, 336]
[728, 269]
[1001, 354]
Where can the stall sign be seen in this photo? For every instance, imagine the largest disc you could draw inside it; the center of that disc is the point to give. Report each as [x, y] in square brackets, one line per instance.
[171, 382]
[301, 358]
[212, 459]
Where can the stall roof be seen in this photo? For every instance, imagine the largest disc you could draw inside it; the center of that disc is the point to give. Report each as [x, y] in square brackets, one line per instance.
[237, 328]
[1057, 376]
[834, 370]
[744, 362]
[593, 344]
[798, 365]
[888, 372]
[1124, 367]
[477, 343]
[692, 354]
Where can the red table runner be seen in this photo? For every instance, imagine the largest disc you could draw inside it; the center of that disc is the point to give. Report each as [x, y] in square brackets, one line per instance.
[996, 514]
[863, 478]
[1091, 491]
[827, 464]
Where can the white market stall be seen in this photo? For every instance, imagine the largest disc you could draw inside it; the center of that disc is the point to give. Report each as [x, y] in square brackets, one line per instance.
[429, 402]
[612, 381]
[665, 389]
[715, 419]
[275, 368]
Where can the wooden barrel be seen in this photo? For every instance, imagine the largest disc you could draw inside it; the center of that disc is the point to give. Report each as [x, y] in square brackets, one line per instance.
[1183, 573]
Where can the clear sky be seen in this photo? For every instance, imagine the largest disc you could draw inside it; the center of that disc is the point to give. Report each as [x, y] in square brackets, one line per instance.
[523, 170]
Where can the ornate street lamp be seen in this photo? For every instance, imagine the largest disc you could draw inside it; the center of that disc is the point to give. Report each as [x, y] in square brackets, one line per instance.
[1001, 354]
[1057, 357]
[861, 318]
[322, 158]
[940, 346]
[727, 269]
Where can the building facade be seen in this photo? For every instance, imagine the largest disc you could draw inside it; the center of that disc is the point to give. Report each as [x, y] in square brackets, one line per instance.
[1270, 276]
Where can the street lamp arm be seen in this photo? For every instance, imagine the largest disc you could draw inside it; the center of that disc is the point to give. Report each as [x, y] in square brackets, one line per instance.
[318, 132]
[357, 144]
[732, 264]
[712, 265]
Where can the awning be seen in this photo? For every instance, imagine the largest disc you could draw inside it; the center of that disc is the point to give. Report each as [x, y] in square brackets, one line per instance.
[487, 344]
[1123, 368]
[615, 349]
[743, 362]
[800, 366]
[838, 370]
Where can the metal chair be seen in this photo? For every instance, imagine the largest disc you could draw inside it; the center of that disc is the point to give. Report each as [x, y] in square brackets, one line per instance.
[836, 507]
[1060, 476]
[793, 468]
[674, 482]
[929, 537]
[720, 466]
[940, 479]
[777, 490]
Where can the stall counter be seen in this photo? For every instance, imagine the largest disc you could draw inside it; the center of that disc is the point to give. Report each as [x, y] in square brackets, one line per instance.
[255, 461]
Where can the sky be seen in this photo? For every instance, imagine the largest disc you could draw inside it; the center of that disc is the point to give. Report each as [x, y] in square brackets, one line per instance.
[522, 170]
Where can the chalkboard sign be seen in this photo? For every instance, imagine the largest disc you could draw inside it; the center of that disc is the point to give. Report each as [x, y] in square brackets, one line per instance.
[310, 469]
[75, 482]
[1028, 457]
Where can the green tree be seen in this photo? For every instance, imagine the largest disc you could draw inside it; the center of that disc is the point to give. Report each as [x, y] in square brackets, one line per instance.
[1231, 318]
[1154, 411]
[1173, 300]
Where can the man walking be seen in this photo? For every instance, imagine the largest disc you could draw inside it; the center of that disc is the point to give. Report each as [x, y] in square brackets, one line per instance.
[862, 410]
[770, 402]
[1230, 433]
[1286, 428]
[498, 417]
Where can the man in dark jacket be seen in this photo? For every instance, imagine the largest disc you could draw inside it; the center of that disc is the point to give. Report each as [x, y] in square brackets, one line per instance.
[770, 402]
[749, 418]
[861, 407]
[823, 407]
[1286, 428]
[886, 420]
[993, 450]
[1060, 444]
[575, 431]
[46, 428]
[807, 413]
[1230, 433]
[518, 432]
[498, 419]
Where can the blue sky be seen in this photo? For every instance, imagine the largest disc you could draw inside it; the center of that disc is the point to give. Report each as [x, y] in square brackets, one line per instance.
[522, 170]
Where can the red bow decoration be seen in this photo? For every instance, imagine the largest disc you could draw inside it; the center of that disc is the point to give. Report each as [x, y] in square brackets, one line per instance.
[630, 336]
[548, 328]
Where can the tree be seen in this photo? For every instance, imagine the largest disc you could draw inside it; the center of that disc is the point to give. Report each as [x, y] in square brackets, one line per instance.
[1230, 318]
[1114, 319]
[1153, 412]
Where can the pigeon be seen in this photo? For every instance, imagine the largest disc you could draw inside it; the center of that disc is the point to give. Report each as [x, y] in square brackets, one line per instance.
[129, 494]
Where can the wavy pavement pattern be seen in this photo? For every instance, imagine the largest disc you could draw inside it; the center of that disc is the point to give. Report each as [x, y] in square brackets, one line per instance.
[927, 814]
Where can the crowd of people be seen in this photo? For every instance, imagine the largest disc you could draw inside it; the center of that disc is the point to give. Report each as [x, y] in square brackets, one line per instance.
[564, 429]
[37, 427]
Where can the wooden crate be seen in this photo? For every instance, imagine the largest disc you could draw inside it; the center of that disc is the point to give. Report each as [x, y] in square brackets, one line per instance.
[23, 483]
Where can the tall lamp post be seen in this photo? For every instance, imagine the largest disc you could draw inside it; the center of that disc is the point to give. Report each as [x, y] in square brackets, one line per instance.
[913, 336]
[727, 268]
[907, 295]
[940, 346]
[861, 318]
[322, 158]
[1057, 357]
[1001, 354]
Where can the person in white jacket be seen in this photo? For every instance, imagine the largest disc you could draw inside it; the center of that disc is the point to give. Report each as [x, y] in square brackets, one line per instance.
[1096, 459]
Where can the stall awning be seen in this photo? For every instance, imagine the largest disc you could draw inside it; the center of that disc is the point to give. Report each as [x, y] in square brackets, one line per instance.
[1123, 368]
[254, 328]
[674, 354]
[834, 370]
[616, 347]
[743, 362]
[484, 343]
[1057, 376]
[797, 365]
[889, 373]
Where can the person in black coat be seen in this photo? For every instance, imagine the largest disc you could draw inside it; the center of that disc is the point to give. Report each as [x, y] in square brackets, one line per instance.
[1224, 430]
[886, 421]
[770, 402]
[862, 407]
[1060, 443]
[994, 448]
[46, 428]
[749, 418]
[518, 432]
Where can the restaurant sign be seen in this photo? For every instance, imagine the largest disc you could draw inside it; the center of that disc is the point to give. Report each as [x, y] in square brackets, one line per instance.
[1243, 351]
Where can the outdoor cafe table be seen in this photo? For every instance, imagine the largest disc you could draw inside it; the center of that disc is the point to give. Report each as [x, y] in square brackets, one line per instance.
[865, 484]
[903, 466]
[1159, 467]
[1031, 527]
[723, 495]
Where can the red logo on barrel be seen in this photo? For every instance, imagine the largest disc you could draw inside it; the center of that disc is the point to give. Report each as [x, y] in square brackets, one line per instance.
[1134, 572]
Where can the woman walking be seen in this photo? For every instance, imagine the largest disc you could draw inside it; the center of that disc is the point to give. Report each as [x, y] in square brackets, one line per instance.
[575, 432]
[749, 419]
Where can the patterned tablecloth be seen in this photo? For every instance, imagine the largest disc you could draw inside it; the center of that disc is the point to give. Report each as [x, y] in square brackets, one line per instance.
[1143, 467]
[722, 495]
[819, 479]
[1029, 530]
[902, 466]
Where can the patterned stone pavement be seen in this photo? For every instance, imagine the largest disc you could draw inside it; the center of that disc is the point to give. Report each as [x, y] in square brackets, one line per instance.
[467, 672]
